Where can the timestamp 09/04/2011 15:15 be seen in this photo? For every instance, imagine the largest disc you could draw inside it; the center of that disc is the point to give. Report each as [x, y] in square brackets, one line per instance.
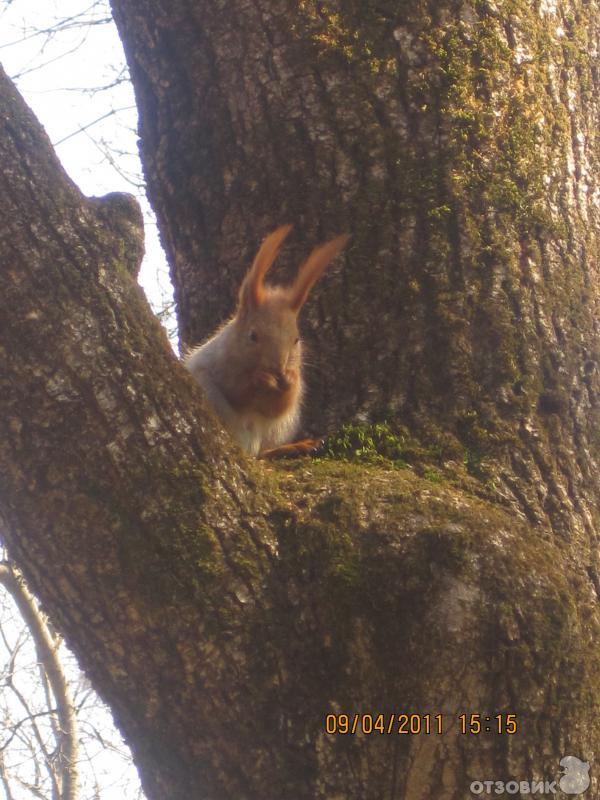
[415, 724]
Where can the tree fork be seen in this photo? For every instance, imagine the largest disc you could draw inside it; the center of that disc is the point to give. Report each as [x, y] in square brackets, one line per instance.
[223, 609]
[458, 144]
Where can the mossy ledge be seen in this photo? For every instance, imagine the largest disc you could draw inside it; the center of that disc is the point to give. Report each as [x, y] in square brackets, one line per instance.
[383, 552]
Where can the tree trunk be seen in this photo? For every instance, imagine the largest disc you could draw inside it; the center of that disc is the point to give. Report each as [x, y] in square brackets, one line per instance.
[223, 608]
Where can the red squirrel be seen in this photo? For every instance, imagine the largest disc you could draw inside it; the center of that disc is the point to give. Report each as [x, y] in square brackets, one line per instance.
[251, 368]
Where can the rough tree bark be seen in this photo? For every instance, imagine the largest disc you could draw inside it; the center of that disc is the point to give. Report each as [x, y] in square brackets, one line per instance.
[223, 609]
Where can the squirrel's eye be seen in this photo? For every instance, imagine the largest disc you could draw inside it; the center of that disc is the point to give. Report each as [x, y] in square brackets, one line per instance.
[297, 340]
[253, 336]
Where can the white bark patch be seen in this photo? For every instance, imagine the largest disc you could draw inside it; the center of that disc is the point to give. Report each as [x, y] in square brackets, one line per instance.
[152, 428]
[412, 49]
[60, 388]
[548, 7]
[455, 610]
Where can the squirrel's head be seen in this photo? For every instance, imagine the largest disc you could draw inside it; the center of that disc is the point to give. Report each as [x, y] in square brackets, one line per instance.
[266, 320]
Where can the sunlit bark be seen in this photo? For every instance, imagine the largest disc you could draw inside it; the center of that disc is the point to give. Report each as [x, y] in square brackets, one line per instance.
[223, 608]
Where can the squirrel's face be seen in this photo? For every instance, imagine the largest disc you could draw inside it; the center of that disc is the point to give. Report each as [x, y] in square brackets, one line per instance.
[269, 343]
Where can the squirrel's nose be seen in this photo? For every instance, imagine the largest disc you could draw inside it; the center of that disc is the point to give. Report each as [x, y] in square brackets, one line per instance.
[283, 383]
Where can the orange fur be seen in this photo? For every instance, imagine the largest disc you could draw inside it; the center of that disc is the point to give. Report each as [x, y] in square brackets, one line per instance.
[256, 395]
[300, 448]
[252, 290]
[313, 268]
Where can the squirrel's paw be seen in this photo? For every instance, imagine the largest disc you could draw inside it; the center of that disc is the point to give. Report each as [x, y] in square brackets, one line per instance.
[303, 447]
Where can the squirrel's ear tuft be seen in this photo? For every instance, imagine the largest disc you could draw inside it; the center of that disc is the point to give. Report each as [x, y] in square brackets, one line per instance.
[313, 268]
[252, 290]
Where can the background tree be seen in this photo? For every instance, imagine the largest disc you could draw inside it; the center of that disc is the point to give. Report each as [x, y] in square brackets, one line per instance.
[57, 741]
[60, 761]
[223, 609]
